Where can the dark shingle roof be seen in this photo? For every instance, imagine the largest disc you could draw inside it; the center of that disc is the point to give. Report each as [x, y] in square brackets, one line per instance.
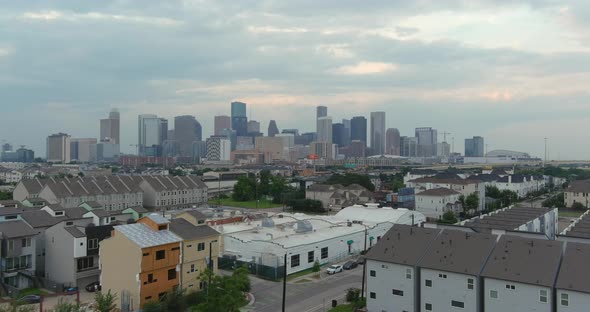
[75, 213]
[445, 181]
[524, 260]
[75, 232]
[196, 214]
[40, 218]
[573, 275]
[509, 219]
[459, 252]
[438, 192]
[187, 230]
[581, 228]
[14, 229]
[33, 186]
[581, 186]
[403, 244]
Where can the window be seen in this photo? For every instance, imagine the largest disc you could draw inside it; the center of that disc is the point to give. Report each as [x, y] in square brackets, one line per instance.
[145, 254]
[372, 273]
[511, 287]
[10, 217]
[494, 294]
[543, 295]
[442, 276]
[69, 223]
[397, 292]
[171, 274]
[150, 278]
[457, 304]
[428, 306]
[192, 268]
[324, 252]
[160, 254]
[428, 283]
[148, 298]
[59, 213]
[565, 299]
[26, 242]
[162, 227]
[294, 261]
[175, 248]
[310, 256]
[470, 283]
[409, 273]
[373, 295]
[85, 263]
[10, 245]
[201, 247]
[93, 243]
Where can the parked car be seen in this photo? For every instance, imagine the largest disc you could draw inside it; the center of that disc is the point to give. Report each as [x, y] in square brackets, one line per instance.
[360, 261]
[350, 265]
[92, 287]
[333, 269]
[70, 290]
[29, 299]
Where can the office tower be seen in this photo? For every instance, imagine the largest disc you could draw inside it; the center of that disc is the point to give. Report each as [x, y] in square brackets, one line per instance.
[346, 123]
[270, 147]
[231, 135]
[321, 111]
[7, 147]
[244, 143]
[324, 133]
[427, 140]
[408, 146]
[323, 150]
[199, 151]
[80, 149]
[187, 130]
[221, 122]
[272, 128]
[25, 155]
[294, 132]
[110, 127]
[253, 127]
[239, 119]
[358, 129]
[105, 151]
[392, 142]
[378, 133]
[305, 138]
[58, 148]
[474, 147]
[218, 148]
[340, 135]
[152, 132]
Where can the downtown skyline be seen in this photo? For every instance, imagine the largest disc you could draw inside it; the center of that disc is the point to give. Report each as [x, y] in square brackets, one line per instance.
[513, 73]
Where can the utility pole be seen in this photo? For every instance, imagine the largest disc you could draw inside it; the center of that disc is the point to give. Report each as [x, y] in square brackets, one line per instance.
[545, 159]
[364, 267]
[285, 282]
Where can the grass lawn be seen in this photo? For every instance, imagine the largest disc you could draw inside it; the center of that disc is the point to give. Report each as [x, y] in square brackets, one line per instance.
[309, 272]
[262, 204]
[570, 213]
[342, 308]
[31, 291]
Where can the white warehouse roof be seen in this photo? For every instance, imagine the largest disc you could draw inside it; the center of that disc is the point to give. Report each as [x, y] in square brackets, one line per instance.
[373, 214]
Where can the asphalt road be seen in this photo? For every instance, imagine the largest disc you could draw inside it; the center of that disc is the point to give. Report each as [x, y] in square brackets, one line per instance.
[305, 297]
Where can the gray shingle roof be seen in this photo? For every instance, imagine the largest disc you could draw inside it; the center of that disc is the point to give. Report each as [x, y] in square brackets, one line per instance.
[403, 244]
[459, 252]
[144, 236]
[15, 229]
[580, 186]
[40, 218]
[524, 260]
[574, 274]
[509, 219]
[75, 231]
[75, 213]
[188, 231]
[33, 186]
[581, 228]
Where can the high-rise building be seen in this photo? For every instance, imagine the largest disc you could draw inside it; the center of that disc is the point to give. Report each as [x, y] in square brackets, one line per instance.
[253, 127]
[110, 127]
[81, 149]
[427, 141]
[321, 111]
[58, 148]
[474, 147]
[152, 132]
[340, 135]
[218, 148]
[323, 150]
[305, 138]
[409, 146]
[25, 155]
[270, 147]
[378, 133]
[7, 147]
[443, 149]
[392, 142]
[346, 123]
[272, 128]
[221, 122]
[358, 129]
[187, 130]
[324, 133]
[239, 119]
[294, 132]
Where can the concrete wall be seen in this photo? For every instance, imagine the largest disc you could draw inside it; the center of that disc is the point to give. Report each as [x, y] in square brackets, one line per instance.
[389, 276]
[523, 298]
[444, 290]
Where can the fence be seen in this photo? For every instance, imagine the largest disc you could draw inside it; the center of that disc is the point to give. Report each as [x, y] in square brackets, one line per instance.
[273, 273]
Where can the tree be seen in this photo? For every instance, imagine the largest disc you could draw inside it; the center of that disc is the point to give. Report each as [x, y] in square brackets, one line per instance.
[397, 184]
[241, 279]
[578, 206]
[264, 184]
[306, 205]
[278, 186]
[174, 301]
[508, 198]
[105, 302]
[244, 189]
[5, 195]
[351, 178]
[224, 294]
[493, 192]
[63, 306]
[316, 266]
[462, 200]
[152, 306]
[449, 218]
[471, 202]
[352, 294]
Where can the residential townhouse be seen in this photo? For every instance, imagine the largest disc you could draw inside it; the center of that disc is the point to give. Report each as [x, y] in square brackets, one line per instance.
[520, 275]
[464, 186]
[392, 268]
[534, 220]
[18, 254]
[10, 175]
[338, 196]
[199, 243]
[573, 283]
[152, 261]
[522, 185]
[173, 192]
[578, 192]
[433, 203]
[28, 189]
[193, 216]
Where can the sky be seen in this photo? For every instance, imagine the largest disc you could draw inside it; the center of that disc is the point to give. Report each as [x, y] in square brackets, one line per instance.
[511, 71]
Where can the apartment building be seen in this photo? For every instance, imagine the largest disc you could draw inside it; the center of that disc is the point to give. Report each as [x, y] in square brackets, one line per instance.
[433, 203]
[177, 192]
[338, 196]
[464, 186]
[18, 254]
[578, 192]
[198, 243]
[10, 175]
[537, 220]
[520, 275]
[152, 254]
[573, 283]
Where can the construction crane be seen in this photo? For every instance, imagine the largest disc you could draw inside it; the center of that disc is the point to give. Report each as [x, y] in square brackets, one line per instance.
[444, 134]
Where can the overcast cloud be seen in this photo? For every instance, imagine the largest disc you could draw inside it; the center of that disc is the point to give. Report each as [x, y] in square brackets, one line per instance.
[511, 71]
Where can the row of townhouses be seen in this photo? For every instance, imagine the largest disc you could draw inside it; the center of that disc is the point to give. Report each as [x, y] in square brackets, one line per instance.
[117, 192]
[430, 269]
